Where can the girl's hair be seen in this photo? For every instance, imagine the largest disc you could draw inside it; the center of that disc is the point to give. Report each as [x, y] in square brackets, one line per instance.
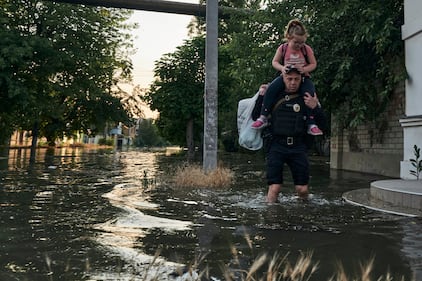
[295, 27]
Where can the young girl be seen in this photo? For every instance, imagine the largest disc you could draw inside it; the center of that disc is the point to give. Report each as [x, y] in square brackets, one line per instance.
[293, 53]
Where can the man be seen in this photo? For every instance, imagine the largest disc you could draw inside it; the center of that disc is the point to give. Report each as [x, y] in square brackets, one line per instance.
[289, 132]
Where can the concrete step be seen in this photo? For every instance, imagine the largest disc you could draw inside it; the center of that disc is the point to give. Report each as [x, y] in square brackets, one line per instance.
[401, 197]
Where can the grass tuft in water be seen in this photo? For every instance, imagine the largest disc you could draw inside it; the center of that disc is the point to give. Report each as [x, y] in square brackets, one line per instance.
[277, 268]
[194, 176]
[273, 268]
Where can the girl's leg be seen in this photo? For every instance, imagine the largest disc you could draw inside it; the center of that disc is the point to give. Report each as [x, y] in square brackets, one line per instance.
[270, 98]
[309, 87]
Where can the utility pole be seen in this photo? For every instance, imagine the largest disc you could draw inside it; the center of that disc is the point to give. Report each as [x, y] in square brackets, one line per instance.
[211, 57]
[211, 86]
[161, 6]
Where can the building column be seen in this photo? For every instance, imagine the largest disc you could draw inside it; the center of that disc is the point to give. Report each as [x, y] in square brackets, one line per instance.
[412, 121]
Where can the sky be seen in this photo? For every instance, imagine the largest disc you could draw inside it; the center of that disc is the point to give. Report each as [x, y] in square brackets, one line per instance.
[158, 34]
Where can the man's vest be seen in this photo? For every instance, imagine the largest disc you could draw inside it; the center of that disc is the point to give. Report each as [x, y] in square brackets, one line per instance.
[289, 119]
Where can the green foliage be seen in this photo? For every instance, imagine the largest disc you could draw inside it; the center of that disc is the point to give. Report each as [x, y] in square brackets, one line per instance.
[148, 135]
[106, 141]
[361, 61]
[416, 162]
[59, 65]
[177, 91]
[357, 44]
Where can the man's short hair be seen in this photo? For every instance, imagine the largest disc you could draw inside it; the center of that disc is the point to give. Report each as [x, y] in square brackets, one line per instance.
[291, 68]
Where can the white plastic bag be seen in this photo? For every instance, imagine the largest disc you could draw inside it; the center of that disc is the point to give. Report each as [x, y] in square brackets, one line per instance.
[248, 138]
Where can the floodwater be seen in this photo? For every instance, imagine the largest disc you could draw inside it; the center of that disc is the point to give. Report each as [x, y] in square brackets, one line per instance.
[78, 214]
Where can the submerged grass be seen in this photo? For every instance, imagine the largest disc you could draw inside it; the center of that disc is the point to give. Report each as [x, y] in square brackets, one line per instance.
[269, 268]
[193, 176]
[276, 268]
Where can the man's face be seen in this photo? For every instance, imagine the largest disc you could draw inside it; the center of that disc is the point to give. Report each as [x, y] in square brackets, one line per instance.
[292, 81]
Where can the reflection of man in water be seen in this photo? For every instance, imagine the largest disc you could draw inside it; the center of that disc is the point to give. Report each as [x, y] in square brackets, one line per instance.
[207, 232]
[289, 131]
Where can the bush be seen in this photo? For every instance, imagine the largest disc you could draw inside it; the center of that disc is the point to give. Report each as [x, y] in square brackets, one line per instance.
[105, 141]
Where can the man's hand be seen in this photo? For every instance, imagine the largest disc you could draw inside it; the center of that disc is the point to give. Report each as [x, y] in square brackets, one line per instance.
[311, 101]
[263, 89]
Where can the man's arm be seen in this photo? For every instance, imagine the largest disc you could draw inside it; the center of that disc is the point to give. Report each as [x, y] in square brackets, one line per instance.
[319, 115]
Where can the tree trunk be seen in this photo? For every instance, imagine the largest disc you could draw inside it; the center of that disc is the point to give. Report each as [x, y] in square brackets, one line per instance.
[51, 141]
[21, 136]
[189, 140]
[4, 152]
[34, 143]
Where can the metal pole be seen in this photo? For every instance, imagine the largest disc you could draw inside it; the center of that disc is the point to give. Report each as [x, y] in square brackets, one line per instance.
[156, 6]
[146, 5]
[211, 85]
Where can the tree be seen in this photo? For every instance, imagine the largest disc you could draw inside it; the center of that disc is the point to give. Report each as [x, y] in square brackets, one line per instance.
[148, 134]
[360, 61]
[132, 102]
[16, 52]
[63, 67]
[177, 93]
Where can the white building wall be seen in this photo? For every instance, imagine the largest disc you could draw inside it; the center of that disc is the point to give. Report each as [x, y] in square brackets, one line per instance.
[412, 122]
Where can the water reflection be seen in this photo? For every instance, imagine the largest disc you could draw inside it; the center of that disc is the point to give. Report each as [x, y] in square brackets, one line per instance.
[102, 215]
[123, 235]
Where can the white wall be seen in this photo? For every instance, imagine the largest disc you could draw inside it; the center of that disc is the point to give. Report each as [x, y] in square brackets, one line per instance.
[412, 122]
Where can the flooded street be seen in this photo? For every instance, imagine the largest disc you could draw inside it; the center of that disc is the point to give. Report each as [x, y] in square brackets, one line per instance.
[101, 215]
